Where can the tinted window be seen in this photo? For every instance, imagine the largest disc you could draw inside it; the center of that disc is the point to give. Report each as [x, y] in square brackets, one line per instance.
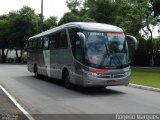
[76, 44]
[34, 44]
[63, 40]
[73, 35]
[39, 43]
[53, 41]
[29, 45]
[46, 42]
[78, 50]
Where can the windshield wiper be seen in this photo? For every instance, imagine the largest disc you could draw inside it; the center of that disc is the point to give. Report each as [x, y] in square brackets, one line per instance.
[104, 56]
[121, 65]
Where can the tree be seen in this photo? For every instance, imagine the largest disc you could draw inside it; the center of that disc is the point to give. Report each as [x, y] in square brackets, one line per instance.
[131, 15]
[102, 11]
[139, 15]
[22, 25]
[156, 52]
[49, 23]
[75, 6]
[156, 7]
[4, 36]
[78, 13]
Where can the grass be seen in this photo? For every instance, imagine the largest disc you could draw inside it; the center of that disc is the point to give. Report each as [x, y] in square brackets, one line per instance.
[146, 77]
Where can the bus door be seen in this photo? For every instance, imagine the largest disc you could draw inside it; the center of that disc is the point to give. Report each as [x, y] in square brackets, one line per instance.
[46, 57]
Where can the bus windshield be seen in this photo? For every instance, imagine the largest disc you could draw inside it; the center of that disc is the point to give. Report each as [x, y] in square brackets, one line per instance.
[105, 49]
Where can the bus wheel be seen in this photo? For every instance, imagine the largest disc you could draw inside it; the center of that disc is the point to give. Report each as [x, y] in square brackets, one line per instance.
[37, 76]
[66, 79]
[102, 87]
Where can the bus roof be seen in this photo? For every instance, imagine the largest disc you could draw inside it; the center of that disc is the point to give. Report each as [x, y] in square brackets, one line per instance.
[81, 25]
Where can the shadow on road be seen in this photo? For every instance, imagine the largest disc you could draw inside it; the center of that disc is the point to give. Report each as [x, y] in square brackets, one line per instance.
[54, 84]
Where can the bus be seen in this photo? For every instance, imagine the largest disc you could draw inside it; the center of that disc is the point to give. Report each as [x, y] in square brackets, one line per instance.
[82, 53]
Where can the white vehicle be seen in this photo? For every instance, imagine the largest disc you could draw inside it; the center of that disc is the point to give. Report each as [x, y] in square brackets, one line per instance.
[85, 54]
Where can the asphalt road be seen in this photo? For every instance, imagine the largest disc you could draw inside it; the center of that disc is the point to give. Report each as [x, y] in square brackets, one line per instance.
[50, 97]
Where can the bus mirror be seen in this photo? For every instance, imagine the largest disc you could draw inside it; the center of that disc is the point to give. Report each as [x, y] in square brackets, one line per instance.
[132, 41]
[82, 37]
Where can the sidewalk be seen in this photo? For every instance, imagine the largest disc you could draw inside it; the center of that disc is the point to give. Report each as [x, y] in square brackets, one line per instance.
[144, 87]
[8, 111]
[145, 68]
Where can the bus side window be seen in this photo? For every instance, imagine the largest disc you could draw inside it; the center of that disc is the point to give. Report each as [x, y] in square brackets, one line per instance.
[34, 44]
[29, 45]
[76, 44]
[73, 36]
[39, 43]
[46, 43]
[63, 40]
[53, 40]
[78, 50]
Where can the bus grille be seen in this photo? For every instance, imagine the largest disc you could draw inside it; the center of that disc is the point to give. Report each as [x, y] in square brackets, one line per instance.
[118, 76]
[112, 76]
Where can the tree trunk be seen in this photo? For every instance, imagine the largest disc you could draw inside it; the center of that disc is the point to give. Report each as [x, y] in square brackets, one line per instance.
[6, 53]
[151, 39]
[21, 52]
[3, 56]
[0, 56]
[16, 54]
[21, 55]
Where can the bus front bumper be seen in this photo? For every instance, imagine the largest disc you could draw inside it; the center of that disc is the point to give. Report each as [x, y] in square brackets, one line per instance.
[90, 80]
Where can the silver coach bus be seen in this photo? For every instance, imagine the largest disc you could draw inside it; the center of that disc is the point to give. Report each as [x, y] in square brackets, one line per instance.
[85, 54]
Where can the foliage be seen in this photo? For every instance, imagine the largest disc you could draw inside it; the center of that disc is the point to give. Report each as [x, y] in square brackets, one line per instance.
[78, 13]
[102, 11]
[18, 26]
[49, 23]
[3, 31]
[156, 7]
[146, 77]
[70, 17]
[132, 16]
[23, 24]
[156, 52]
[3, 36]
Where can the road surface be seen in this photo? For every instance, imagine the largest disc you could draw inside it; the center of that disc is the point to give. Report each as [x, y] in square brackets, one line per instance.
[50, 97]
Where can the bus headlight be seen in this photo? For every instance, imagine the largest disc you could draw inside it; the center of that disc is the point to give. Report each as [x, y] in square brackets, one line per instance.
[96, 72]
[93, 74]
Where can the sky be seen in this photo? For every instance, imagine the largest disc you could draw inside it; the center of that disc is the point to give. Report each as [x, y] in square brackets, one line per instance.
[154, 29]
[51, 7]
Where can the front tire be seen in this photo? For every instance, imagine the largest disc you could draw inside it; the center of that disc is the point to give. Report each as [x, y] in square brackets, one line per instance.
[66, 79]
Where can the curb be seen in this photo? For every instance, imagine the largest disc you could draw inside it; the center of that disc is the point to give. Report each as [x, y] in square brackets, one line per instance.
[144, 87]
[145, 68]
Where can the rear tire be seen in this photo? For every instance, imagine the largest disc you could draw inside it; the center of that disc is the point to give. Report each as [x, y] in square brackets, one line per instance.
[37, 76]
[98, 87]
[102, 87]
[66, 79]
